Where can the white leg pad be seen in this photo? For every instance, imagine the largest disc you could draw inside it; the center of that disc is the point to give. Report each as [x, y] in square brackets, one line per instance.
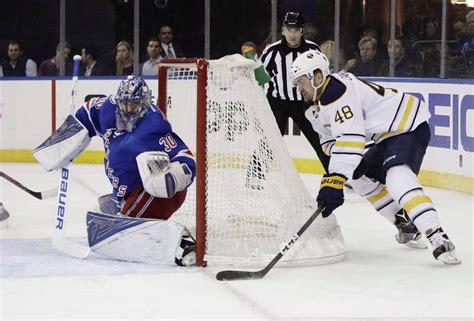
[134, 239]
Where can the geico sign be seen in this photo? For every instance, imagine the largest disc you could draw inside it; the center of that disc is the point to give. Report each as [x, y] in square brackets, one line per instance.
[452, 111]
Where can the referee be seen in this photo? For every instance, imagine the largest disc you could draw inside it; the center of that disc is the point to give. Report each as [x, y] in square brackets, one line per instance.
[283, 97]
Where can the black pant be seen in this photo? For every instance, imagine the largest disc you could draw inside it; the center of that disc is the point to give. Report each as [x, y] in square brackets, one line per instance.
[283, 109]
[404, 149]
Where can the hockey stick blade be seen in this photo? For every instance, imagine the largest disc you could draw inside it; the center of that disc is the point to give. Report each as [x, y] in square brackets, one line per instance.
[51, 193]
[39, 195]
[231, 275]
[71, 248]
[239, 275]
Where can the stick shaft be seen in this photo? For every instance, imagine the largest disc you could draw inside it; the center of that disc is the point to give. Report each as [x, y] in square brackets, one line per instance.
[60, 242]
[231, 275]
[38, 195]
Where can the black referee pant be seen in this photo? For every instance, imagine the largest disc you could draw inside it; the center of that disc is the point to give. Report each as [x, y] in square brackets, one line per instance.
[283, 109]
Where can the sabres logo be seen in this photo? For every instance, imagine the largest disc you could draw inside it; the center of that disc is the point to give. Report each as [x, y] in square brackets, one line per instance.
[315, 112]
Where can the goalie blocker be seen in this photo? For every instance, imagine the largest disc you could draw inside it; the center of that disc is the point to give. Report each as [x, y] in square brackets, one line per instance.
[65, 144]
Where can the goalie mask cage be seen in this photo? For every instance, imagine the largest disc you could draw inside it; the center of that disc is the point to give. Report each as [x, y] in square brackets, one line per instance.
[247, 199]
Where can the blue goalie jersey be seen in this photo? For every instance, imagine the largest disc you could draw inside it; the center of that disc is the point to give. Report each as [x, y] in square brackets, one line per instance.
[152, 133]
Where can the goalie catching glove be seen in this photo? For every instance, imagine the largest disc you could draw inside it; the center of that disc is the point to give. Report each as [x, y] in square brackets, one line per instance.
[331, 193]
[161, 178]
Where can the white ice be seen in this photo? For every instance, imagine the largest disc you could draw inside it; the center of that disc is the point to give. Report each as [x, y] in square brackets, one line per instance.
[379, 279]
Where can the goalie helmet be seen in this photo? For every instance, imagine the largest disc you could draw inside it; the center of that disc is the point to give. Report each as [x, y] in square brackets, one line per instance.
[293, 20]
[133, 98]
[307, 63]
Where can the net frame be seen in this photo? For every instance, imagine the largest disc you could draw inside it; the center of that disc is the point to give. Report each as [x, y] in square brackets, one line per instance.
[204, 74]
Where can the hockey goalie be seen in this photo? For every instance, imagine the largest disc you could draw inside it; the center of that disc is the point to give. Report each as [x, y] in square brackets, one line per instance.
[149, 167]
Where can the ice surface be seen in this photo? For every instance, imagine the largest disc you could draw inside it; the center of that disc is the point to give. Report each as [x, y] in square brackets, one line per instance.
[379, 279]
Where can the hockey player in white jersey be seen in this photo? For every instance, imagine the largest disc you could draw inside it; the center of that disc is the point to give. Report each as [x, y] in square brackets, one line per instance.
[348, 112]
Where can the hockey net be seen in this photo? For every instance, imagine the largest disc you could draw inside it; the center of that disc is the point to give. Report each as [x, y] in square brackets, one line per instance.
[248, 198]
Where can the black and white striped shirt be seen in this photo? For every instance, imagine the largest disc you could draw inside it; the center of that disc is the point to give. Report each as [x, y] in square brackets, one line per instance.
[277, 59]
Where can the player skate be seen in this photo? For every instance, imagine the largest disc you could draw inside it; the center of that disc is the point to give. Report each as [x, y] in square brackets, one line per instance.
[443, 247]
[408, 234]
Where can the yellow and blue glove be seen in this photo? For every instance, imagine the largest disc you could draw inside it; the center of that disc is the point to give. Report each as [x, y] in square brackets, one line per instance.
[331, 192]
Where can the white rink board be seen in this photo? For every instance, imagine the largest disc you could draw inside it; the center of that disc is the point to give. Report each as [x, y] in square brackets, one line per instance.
[452, 108]
[26, 117]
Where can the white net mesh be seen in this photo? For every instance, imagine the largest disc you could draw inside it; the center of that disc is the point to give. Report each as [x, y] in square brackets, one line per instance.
[255, 199]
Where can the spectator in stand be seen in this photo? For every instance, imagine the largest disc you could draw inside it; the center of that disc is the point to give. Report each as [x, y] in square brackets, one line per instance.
[405, 65]
[381, 48]
[410, 36]
[369, 63]
[124, 59]
[459, 28]
[467, 39]
[329, 49]
[468, 45]
[90, 65]
[50, 67]
[311, 32]
[170, 48]
[17, 65]
[153, 49]
[455, 66]
[429, 48]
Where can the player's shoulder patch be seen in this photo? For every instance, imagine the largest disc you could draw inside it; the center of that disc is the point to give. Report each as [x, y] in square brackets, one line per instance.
[333, 91]
[96, 102]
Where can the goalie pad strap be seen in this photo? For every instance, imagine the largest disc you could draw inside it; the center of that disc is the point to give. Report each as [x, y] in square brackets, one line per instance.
[65, 144]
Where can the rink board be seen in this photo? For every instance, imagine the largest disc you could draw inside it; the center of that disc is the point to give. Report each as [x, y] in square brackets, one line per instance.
[27, 119]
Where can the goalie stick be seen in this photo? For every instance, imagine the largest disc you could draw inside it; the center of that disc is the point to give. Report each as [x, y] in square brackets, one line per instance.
[232, 275]
[50, 193]
[60, 242]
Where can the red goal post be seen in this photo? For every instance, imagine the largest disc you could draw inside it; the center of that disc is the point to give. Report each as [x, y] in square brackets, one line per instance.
[201, 65]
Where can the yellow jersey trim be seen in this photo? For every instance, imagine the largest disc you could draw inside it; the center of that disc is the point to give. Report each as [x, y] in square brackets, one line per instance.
[415, 201]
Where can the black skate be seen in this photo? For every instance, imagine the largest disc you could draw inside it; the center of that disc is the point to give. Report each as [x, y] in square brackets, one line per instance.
[443, 247]
[408, 234]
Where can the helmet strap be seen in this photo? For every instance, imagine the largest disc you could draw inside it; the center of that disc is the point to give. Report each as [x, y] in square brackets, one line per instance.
[318, 86]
